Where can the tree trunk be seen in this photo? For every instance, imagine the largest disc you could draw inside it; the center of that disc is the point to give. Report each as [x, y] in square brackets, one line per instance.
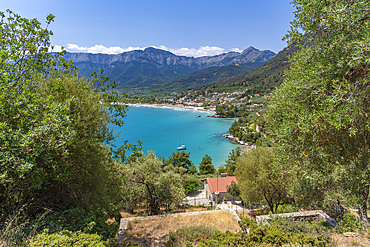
[362, 206]
[154, 206]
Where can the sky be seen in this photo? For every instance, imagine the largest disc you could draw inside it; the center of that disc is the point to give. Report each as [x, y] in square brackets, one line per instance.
[184, 27]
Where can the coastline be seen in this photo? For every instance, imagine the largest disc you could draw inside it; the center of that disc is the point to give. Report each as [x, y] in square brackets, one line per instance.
[246, 146]
[177, 106]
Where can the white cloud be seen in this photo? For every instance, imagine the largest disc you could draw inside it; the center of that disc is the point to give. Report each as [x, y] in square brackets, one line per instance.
[202, 51]
[57, 48]
[236, 50]
[101, 49]
[189, 52]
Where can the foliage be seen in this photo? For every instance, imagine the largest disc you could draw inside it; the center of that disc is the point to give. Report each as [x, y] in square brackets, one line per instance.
[66, 238]
[278, 232]
[31, 127]
[350, 223]
[54, 136]
[192, 184]
[180, 159]
[74, 220]
[205, 166]
[149, 180]
[66, 165]
[259, 182]
[192, 170]
[250, 128]
[233, 189]
[319, 115]
[312, 190]
[230, 165]
[25, 49]
[191, 234]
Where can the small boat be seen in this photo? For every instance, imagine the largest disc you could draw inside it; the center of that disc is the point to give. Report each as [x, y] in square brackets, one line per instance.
[181, 147]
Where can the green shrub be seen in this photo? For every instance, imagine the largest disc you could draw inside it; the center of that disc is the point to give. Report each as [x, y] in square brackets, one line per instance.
[350, 223]
[75, 220]
[67, 238]
[190, 234]
[192, 184]
[279, 231]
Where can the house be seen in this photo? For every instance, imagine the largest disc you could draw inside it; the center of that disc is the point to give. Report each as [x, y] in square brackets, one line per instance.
[217, 186]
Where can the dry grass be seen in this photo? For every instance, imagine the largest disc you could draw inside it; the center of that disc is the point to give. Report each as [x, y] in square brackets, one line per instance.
[125, 214]
[154, 232]
[341, 241]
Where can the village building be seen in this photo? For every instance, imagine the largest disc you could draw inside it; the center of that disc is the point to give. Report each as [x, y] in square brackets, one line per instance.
[216, 188]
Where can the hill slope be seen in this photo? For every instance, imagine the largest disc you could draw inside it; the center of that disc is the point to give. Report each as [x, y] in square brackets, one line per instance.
[262, 79]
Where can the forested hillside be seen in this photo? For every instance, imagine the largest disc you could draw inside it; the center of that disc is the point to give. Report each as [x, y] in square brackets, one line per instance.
[262, 79]
[206, 76]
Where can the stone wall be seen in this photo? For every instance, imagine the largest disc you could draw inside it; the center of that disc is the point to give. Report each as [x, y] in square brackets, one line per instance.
[315, 213]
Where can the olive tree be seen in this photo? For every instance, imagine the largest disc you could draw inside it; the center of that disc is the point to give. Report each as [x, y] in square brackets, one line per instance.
[148, 181]
[259, 182]
[319, 116]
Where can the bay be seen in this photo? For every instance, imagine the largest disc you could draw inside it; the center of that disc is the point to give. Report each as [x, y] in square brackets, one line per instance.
[159, 130]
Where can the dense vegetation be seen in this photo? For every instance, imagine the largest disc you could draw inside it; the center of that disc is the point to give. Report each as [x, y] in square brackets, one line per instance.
[197, 79]
[277, 233]
[54, 138]
[61, 182]
[320, 114]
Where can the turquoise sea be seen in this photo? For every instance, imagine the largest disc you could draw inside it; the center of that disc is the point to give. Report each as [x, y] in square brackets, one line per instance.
[160, 128]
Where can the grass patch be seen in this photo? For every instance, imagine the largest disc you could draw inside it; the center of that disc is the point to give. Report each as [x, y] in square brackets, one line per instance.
[155, 232]
[192, 234]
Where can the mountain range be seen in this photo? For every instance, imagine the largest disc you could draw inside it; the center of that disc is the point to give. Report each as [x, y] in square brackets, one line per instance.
[142, 68]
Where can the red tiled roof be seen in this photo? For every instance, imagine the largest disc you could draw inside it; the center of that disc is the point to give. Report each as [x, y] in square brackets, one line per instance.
[222, 183]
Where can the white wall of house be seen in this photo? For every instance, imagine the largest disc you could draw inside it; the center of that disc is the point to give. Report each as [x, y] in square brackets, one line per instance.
[212, 197]
[207, 190]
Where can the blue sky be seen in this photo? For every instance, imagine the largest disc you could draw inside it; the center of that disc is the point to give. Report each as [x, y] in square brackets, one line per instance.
[184, 27]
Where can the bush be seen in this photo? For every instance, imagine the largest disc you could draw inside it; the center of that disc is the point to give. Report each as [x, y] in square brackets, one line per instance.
[350, 223]
[75, 220]
[278, 232]
[190, 234]
[67, 238]
[192, 184]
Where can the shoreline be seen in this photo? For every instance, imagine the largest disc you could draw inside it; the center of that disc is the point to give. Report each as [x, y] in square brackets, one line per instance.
[177, 106]
[246, 146]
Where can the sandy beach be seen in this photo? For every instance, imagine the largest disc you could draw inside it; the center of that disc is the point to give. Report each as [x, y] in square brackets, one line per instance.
[177, 106]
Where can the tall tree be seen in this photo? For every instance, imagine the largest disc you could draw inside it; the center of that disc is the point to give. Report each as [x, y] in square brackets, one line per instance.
[258, 182]
[320, 114]
[205, 166]
[180, 159]
[231, 161]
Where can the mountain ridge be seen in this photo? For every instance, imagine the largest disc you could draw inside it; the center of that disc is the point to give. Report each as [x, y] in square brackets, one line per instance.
[141, 68]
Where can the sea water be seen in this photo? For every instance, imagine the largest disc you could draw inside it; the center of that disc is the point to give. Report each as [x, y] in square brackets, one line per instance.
[162, 129]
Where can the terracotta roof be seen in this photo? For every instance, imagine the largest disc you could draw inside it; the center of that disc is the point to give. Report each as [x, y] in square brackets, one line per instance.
[222, 183]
